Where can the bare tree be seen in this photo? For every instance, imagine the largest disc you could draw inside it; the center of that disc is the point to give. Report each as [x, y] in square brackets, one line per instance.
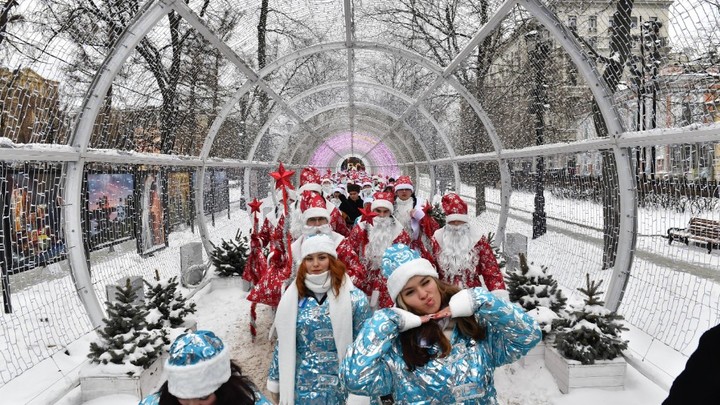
[7, 18]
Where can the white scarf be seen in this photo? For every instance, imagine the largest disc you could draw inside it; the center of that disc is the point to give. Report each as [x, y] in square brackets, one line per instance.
[286, 324]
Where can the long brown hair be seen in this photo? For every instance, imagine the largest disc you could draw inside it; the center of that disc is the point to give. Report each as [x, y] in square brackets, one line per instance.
[431, 333]
[337, 272]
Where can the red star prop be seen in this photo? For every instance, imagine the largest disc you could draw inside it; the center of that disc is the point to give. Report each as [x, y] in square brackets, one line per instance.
[367, 215]
[282, 177]
[427, 208]
[254, 205]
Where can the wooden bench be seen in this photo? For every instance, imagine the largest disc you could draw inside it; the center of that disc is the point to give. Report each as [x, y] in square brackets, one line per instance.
[699, 230]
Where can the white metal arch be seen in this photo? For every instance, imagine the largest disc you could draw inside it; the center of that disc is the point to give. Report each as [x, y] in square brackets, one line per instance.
[361, 122]
[380, 87]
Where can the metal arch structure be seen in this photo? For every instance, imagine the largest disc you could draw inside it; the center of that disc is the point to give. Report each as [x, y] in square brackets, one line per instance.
[141, 24]
[361, 124]
[368, 106]
[326, 129]
[375, 86]
[153, 11]
[627, 234]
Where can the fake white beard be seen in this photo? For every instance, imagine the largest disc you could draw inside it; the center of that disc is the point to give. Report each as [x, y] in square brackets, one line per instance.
[458, 251]
[366, 193]
[296, 223]
[327, 190]
[380, 237]
[325, 229]
[336, 202]
[402, 212]
[318, 283]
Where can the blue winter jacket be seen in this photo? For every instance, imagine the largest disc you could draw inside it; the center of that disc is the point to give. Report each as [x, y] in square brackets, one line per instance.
[316, 365]
[374, 365]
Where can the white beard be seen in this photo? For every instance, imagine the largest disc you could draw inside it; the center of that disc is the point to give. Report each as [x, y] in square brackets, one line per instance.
[325, 229]
[296, 223]
[327, 190]
[458, 252]
[380, 237]
[364, 194]
[402, 213]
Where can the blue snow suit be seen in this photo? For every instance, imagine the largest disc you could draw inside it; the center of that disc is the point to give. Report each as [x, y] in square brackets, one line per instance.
[374, 365]
[316, 365]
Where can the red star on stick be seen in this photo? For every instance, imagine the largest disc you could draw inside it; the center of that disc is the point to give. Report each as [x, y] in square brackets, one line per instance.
[427, 208]
[367, 215]
[282, 177]
[254, 205]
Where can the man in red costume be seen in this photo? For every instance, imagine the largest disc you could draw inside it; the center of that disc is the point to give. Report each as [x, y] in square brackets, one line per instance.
[363, 249]
[463, 255]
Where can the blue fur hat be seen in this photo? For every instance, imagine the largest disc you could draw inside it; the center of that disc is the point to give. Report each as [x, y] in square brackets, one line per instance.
[400, 264]
[198, 364]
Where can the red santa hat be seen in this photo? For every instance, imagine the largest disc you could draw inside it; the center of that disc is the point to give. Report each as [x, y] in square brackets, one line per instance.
[455, 208]
[383, 200]
[312, 205]
[310, 180]
[404, 183]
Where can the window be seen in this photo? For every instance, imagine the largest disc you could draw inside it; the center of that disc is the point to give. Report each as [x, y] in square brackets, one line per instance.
[572, 22]
[592, 23]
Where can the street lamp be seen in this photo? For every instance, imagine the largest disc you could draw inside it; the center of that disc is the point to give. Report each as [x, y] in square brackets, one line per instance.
[538, 49]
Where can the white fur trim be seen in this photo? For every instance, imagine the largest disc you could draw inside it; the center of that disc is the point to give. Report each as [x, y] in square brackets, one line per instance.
[357, 400]
[315, 212]
[406, 271]
[200, 379]
[504, 294]
[408, 320]
[404, 187]
[310, 187]
[273, 386]
[318, 244]
[381, 203]
[457, 217]
[461, 304]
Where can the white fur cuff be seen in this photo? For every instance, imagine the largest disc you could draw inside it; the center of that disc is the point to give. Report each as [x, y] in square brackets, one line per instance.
[504, 294]
[273, 386]
[408, 320]
[461, 304]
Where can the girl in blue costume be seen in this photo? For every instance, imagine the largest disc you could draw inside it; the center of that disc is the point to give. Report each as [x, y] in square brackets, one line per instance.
[200, 372]
[439, 344]
[317, 319]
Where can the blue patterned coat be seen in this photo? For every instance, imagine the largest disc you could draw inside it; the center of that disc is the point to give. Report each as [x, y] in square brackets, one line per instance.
[316, 366]
[154, 399]
[375, 366]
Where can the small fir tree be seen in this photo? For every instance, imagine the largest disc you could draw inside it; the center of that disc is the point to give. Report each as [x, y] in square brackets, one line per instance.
[124, 338]
[591, 332]
[537, 292]
[438, 215]
[230, 257]
[171, 306]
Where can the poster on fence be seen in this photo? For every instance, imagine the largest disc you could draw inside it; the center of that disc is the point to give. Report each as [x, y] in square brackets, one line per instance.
[34, 206]
[152, 216]
[179, 210]
[110, 213]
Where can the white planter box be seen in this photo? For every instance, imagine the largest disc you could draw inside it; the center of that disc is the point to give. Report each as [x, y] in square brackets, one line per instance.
[535, 354]
[569, 374]
[103, 384]
[218, 283]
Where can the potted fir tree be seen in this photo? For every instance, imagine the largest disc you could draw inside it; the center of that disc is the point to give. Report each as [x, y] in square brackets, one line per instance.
[168, 308]
[127, 356]
[588, 347]
[229, 259]
[536, 291]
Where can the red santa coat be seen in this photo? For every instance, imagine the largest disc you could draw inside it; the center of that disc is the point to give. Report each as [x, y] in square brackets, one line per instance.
[364, 275]
[484, 273]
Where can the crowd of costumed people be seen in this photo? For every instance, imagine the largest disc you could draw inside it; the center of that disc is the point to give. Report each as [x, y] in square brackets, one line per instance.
[374, 301]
